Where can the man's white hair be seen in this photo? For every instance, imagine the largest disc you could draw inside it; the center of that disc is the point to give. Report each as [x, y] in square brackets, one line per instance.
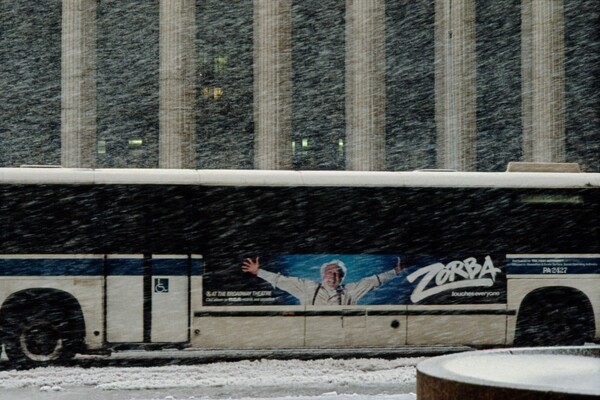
[340, 265]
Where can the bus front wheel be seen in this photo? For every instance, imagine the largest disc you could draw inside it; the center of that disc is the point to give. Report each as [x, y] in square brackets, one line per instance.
[39, 339]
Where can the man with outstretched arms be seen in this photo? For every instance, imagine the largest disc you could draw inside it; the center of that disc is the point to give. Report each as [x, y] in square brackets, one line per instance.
[330, 291]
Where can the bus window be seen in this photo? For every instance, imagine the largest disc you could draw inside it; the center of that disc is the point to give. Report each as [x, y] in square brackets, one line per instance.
[554, 199]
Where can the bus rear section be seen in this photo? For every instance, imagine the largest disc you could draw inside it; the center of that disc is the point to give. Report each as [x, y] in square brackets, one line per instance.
[553, 273]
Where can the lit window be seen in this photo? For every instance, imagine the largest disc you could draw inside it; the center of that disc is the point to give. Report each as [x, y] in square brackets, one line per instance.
[217, 93]
[101, 146]
[552, 199]
[220, 64]
[214, 93]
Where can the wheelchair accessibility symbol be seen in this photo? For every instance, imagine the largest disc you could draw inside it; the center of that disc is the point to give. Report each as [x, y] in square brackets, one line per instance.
[161, 285]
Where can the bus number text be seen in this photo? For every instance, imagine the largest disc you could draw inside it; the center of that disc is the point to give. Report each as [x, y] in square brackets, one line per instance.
[554, 270]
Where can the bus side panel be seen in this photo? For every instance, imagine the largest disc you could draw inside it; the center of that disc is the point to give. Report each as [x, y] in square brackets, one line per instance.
[456, 329]
[424, 224]
[89, 294]
[125, 299]
[248, 332]
[170, 309]
[374, 330]
[324, 331]
[124, 309]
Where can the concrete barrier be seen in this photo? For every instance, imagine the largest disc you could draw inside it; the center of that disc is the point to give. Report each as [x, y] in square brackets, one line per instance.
[549, 373]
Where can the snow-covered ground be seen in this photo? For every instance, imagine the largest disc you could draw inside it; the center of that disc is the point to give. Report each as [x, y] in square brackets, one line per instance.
[326, 379]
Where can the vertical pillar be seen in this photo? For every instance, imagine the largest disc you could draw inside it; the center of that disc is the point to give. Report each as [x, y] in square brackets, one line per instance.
[177, 84]
[273, 84]
[526, 80]
[78, 84]
[455, 84]
[543, 86]
[365, 85]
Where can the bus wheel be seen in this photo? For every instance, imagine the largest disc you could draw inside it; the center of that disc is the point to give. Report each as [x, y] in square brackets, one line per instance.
[554, 317]
[545, 328]
[39, 340]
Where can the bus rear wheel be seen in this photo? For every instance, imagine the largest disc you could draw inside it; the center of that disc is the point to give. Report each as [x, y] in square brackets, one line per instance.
[40, 339]
[555, 316]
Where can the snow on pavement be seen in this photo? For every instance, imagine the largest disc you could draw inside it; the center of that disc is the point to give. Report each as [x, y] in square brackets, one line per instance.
[330, 379]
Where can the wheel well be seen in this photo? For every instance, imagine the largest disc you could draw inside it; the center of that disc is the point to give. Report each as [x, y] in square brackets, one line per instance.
[571, 302]
[52, 300]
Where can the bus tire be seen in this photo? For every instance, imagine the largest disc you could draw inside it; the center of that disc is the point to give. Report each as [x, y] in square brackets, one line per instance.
[42, 332]
[554, 317]
[39, 339]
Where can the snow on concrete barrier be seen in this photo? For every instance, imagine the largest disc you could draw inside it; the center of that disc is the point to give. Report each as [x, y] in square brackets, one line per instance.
[548, 373]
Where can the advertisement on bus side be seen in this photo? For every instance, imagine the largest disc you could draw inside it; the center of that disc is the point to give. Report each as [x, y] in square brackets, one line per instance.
[357, 279]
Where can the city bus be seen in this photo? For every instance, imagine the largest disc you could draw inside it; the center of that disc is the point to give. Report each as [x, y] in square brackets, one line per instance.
[97, 260]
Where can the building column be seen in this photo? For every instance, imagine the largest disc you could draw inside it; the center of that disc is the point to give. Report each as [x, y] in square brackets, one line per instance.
[543, 80]
[365, 85]
[273, 84]
[177, 84]
[455, 84]
[78, 84]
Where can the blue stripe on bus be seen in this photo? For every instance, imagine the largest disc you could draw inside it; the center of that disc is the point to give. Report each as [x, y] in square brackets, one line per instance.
[95, 266]
[552, 266]
[125, 266]
[196, 266]
[170, 266]
[51, 266]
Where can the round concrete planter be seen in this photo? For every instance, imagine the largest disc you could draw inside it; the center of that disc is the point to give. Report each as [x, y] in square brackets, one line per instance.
[548, 373]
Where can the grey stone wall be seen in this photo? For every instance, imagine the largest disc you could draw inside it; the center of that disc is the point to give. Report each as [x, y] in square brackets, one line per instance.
[127, 84]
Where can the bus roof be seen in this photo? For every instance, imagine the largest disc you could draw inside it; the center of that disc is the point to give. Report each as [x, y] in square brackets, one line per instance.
[69, 176]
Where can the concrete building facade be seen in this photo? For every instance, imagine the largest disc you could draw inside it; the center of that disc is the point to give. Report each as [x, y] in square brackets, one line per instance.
[285, 84]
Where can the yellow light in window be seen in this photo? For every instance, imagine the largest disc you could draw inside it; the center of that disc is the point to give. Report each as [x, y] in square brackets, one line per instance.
[305, 142]
[217, 93]
[293, 147]
[136, 142]
[206, 92]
